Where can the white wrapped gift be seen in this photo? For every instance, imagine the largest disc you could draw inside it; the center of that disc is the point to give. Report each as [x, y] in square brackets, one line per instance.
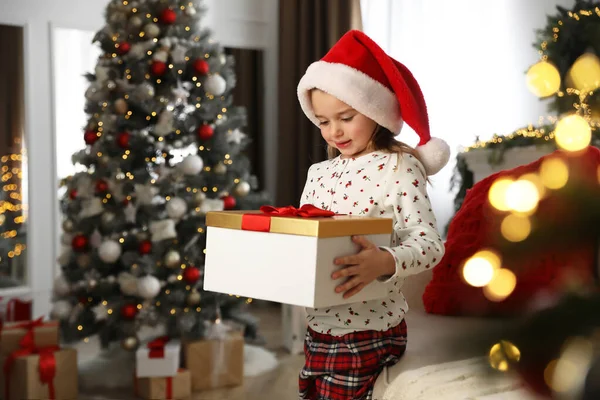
[158, 358]
[287, 258]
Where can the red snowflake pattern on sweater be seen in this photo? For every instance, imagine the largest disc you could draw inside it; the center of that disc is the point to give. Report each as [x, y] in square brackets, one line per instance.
[378, 184]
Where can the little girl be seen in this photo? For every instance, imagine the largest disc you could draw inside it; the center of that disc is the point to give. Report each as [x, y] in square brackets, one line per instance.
[359, 97]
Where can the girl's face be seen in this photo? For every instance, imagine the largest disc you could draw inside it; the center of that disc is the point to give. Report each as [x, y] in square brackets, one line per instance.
[342, 126]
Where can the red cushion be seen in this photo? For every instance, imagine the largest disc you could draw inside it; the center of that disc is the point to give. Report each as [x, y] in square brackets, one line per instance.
[476, 225]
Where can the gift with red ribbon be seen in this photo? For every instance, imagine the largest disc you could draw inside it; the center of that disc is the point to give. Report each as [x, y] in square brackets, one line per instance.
[158, 358]
[174, 387]
[32, 372]
[42, 333]
[285, 254]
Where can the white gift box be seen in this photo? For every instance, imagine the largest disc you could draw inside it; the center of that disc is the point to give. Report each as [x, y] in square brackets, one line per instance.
[153, 364]
[287, 259]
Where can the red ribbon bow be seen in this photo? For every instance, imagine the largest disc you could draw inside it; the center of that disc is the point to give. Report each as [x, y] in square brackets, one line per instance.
[306, 211]
[157, 347]
[47, 362]
[262, 222]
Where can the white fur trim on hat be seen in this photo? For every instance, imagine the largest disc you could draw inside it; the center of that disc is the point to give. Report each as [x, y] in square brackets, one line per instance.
[353, 87]
[434, 155]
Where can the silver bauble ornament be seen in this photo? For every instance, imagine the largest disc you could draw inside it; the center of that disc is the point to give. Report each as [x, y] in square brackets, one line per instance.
[176, 208]
[148, 287]
[109, 251]
[192, 165]
[61, 310]
[61, 286]
[215, 84]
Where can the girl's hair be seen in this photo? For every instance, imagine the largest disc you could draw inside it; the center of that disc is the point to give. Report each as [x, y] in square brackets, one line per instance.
[383, 139]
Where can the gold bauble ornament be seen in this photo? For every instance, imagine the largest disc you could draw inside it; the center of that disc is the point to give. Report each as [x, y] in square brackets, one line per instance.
[121, 106]
[172, 259]
[193, 298]
[68, 225]
[84, 260]
[199, 198]
[130, 343]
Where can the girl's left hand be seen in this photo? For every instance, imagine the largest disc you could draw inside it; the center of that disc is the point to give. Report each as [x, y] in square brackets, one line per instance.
[364, 267]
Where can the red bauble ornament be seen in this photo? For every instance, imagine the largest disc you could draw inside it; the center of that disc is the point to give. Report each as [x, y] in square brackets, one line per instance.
[79, 243]
[73, 194]
[191, 275]
[129, 311]
[205, 132]
[201, 66]
[228, 202]
[101, 186]
[158, 68]
[124, 47]
[168, 16]
[123, 140]
[90, 137]
[145, 247]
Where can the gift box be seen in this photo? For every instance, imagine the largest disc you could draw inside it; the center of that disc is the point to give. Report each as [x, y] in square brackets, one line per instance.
[44, 334]
[14, 309]
[217, 361]
[174, 387]
[287, 256]
[158, 358]
[48, 373]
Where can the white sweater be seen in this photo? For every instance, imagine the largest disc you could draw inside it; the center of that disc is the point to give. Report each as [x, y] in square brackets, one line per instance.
[378, 184]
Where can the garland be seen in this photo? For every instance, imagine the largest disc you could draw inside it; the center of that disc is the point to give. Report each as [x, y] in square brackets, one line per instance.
[568, 35]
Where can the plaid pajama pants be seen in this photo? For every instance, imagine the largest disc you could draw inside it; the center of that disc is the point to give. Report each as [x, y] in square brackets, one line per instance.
[346, 367]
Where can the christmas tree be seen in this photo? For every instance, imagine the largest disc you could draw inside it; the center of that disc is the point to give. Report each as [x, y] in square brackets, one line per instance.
[164, 146]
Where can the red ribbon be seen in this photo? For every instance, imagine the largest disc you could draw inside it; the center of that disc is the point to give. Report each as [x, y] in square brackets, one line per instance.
[169, 390]
[157, 347]
[262, 222]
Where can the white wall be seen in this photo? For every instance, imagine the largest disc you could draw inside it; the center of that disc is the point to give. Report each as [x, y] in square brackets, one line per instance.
[241, 23]
[470, 59]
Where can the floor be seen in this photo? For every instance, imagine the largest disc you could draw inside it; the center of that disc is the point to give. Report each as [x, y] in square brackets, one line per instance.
[279, 384]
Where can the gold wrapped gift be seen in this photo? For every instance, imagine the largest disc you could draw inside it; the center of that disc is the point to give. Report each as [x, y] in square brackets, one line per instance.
[301, 225]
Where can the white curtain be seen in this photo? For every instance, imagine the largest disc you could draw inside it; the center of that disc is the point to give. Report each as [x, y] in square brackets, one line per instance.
[73, 56]
[470, 58]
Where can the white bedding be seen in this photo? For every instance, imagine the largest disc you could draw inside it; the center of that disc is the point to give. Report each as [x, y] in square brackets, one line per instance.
[455, 380]
[432, 367]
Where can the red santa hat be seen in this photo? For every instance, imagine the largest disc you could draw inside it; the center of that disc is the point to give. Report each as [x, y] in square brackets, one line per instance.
[359, 73]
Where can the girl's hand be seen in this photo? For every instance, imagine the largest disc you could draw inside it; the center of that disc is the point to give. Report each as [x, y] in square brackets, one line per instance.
[363, 268]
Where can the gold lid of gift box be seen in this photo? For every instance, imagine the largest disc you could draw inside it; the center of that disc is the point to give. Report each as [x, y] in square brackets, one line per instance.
[323, 227]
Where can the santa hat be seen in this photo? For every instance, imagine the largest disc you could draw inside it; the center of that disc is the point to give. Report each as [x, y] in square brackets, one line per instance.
[359, 73]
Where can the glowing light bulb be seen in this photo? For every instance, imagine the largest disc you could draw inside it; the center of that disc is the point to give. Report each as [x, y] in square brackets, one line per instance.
[497, 194]
[554, 173]
[573, 133]
[515, 228]
[543, 79]
[479, 270]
